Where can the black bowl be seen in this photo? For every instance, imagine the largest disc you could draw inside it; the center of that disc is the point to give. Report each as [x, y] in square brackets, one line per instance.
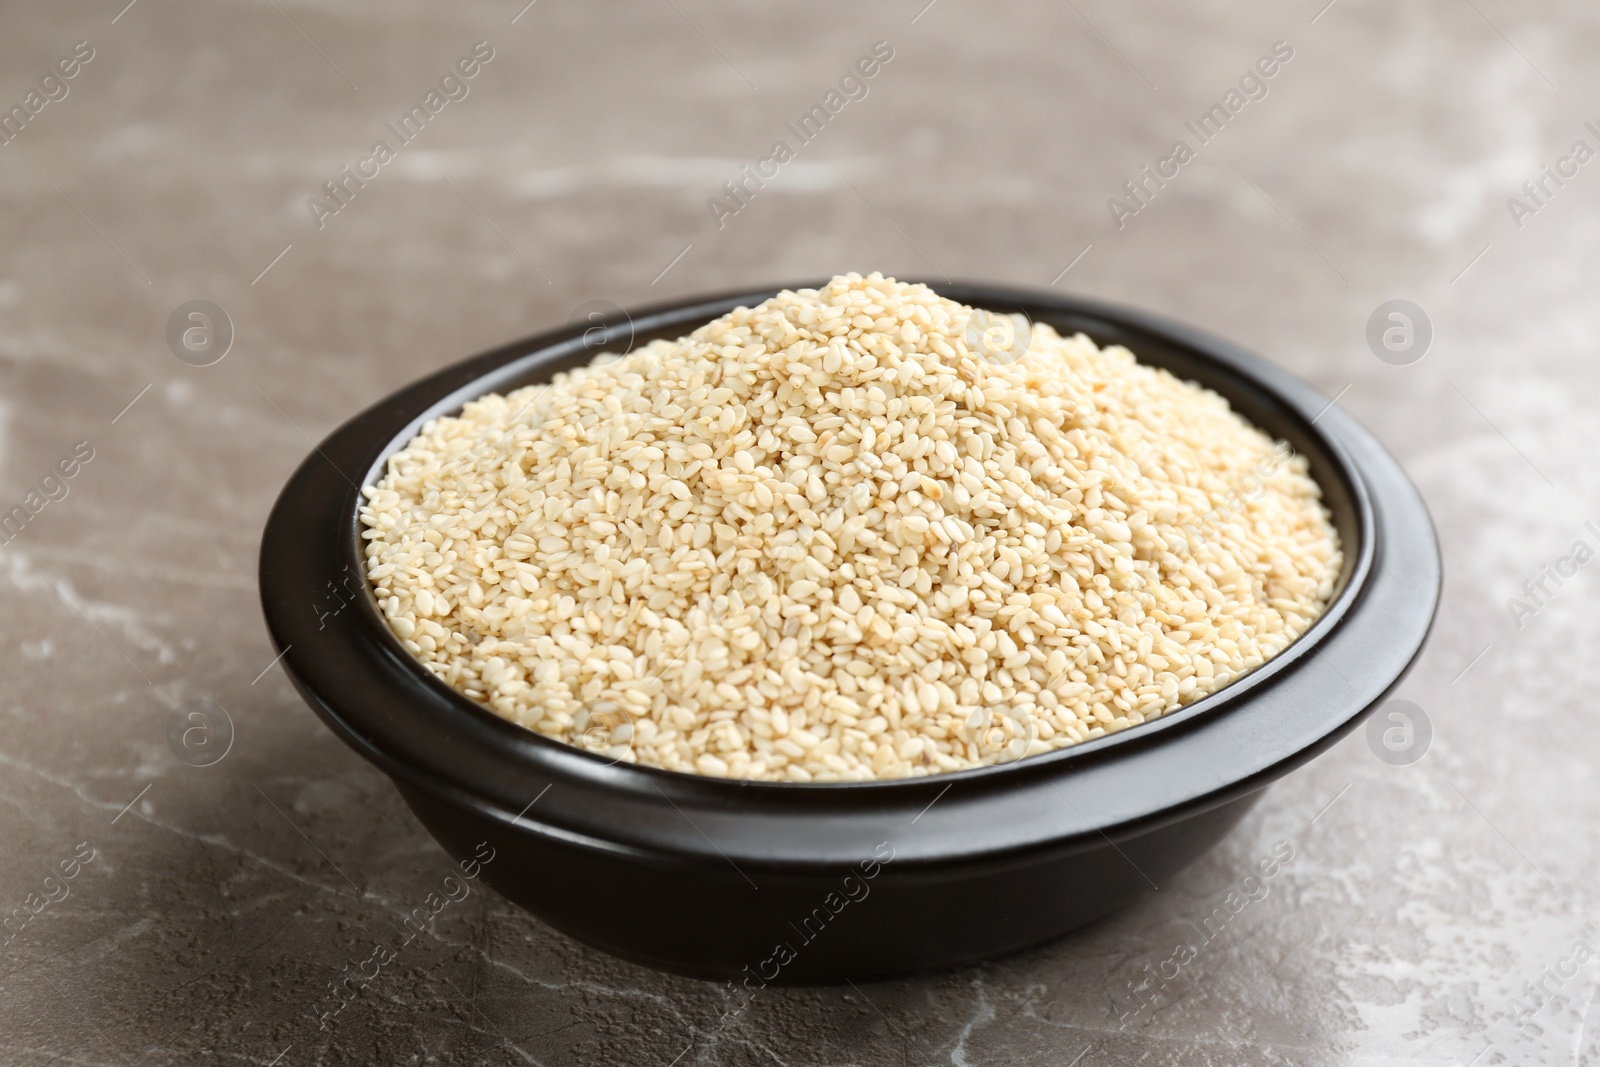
[801, 883]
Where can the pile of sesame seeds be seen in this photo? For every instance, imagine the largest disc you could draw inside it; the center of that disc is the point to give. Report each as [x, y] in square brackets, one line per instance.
[839, 536]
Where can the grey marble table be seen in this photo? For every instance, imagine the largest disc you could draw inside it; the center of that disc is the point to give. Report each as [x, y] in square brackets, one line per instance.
[1432, 907]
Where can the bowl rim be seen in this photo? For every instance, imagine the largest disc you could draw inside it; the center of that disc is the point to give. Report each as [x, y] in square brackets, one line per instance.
[453, 763]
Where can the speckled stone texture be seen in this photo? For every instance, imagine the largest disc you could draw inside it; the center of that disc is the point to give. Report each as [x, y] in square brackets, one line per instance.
[222, 900]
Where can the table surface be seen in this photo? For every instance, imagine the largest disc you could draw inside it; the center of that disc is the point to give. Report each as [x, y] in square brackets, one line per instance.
[1432, 910]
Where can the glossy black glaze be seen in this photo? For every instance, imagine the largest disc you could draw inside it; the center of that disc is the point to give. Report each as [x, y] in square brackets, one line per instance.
[793, 883]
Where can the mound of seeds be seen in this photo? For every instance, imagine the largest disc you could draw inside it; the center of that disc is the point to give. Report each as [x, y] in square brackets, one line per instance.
[851, 533]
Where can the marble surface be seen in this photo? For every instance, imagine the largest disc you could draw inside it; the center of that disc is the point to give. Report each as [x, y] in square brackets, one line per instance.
[219, 901]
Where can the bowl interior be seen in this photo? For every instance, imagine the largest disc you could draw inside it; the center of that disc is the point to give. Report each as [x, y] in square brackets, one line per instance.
[1273, 400]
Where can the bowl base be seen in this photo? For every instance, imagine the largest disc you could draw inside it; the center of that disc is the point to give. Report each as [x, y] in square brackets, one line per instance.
[871, 922]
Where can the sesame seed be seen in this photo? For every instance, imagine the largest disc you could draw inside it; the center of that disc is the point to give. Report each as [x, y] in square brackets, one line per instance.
[827, 539]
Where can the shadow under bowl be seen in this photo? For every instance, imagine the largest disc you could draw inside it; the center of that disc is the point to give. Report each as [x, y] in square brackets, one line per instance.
[790, 883]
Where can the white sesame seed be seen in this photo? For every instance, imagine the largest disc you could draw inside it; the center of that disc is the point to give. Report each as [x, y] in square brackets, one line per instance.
[817, 539]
